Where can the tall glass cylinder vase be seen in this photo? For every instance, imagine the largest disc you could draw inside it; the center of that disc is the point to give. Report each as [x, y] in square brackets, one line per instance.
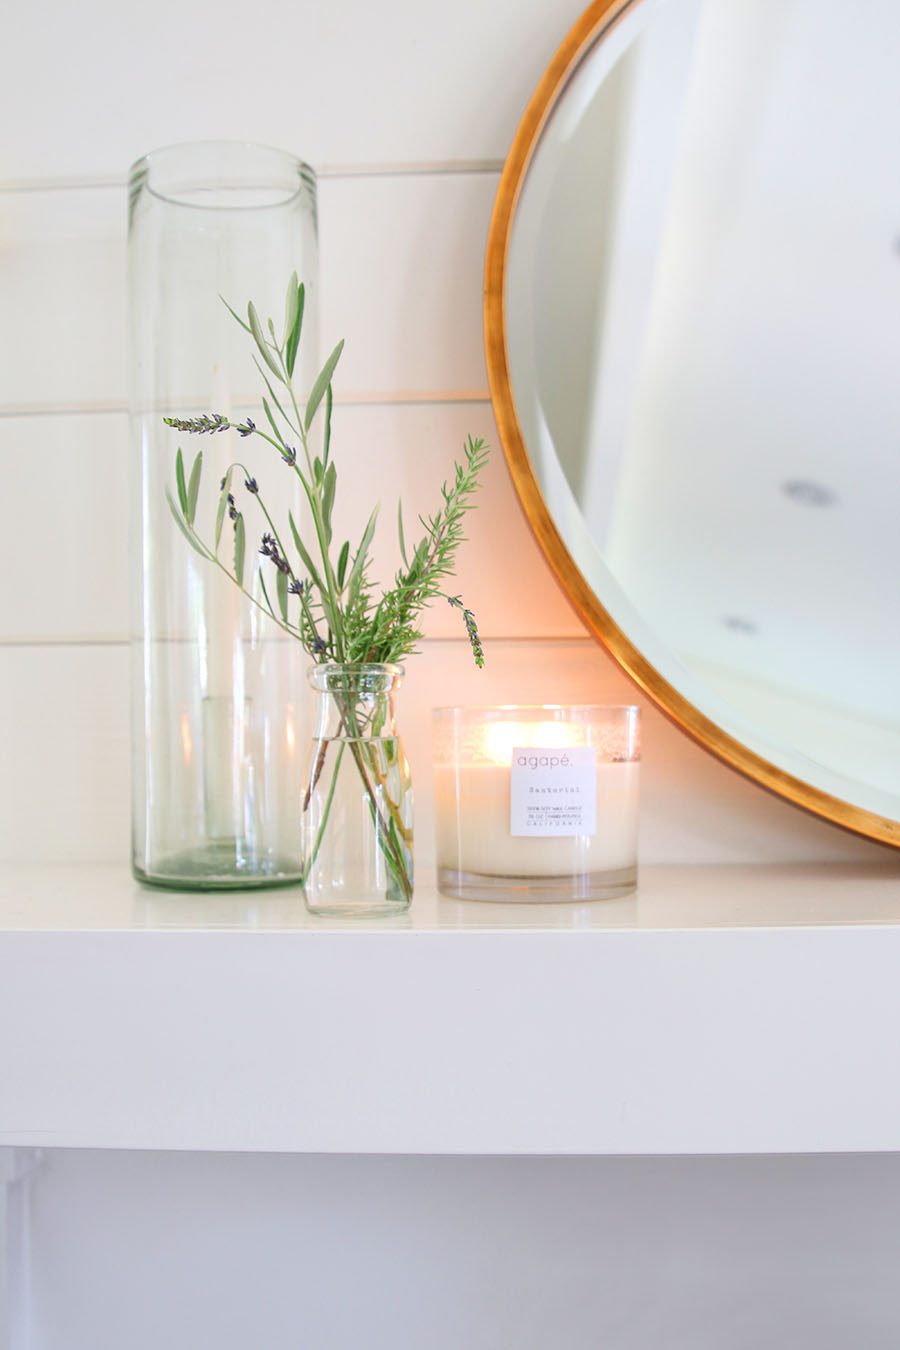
[220, 719]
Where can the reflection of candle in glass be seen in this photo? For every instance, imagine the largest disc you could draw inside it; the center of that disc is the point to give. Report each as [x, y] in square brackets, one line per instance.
[228, 794]
[540, 803]
[187, 745]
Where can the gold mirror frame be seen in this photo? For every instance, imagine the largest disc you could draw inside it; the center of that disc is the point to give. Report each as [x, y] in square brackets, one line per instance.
[593, 26]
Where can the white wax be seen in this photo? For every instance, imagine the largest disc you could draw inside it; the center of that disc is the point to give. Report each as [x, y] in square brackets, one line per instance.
[472, 825]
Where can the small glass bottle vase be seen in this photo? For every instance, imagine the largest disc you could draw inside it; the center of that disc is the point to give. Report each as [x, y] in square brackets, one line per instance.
[357, 809]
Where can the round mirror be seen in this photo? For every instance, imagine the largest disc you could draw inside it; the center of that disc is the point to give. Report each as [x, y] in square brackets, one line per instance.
[692, 314]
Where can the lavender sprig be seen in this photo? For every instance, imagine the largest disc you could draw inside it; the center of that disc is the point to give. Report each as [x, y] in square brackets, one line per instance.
[200, 425]
[471, 629]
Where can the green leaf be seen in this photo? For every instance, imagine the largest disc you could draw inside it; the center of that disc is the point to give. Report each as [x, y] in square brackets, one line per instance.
[272, 423]
[220, 518]
[293, 342]
[260, 340]
[418, 561]
[239, 547]
[342, 564]
[262, 584]
[292, 304]
[281, 587]
[359, 560]
[246, 327]
[255, 326]
[400, 533]
[329, 487]
[272, 395]
[179, 482]
[304, 554]
[179, 521]
[329, 403]
[323, 379]
[193, 488]
[223, 506]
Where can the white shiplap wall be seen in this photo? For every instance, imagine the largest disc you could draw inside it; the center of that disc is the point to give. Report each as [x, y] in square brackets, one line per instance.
[407, 110]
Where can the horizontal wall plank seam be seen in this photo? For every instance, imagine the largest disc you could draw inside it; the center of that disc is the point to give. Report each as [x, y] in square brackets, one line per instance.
[14, 642]
[353, 399]
[424, 169]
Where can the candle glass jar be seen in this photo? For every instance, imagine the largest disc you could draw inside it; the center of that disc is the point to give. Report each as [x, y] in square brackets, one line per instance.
[357, 818]
[219, 698]
[536, 803]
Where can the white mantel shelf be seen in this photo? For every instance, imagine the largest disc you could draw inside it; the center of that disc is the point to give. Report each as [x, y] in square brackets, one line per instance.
[720, 1010]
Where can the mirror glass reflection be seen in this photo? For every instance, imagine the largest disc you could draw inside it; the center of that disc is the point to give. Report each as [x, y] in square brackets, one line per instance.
[703, 329]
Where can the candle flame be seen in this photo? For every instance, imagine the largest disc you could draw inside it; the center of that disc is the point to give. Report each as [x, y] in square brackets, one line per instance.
[501, 738]
[187, 744]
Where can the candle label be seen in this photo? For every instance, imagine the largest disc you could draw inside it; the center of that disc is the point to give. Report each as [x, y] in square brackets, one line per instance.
[553, 792]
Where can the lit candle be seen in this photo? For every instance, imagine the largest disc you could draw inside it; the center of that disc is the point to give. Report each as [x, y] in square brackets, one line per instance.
[536, 803]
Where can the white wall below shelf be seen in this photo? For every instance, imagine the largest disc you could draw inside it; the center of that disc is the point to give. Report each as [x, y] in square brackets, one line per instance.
[720, 1010]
